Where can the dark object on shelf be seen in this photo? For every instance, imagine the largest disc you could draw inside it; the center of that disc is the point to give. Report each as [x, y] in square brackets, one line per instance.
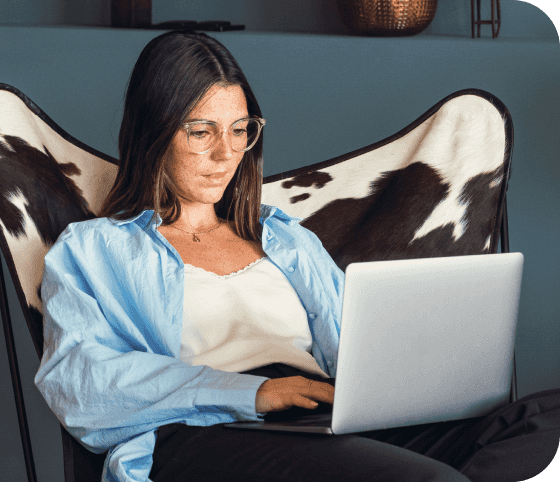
[176, 25]
[131, 13]
[138, 14]
[495, 19]
[388, 18]
[212, 26]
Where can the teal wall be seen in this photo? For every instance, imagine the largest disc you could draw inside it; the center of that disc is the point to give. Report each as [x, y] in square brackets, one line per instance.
[55, 12]
[78, 77]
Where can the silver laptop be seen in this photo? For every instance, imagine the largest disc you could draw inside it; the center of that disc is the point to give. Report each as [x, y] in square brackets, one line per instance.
[422, 341]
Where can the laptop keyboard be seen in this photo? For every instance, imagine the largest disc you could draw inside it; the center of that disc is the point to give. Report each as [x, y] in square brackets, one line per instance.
[297, 413]
[324, 420]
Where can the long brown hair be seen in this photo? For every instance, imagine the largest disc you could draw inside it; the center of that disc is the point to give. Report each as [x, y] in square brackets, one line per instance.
[172, 74]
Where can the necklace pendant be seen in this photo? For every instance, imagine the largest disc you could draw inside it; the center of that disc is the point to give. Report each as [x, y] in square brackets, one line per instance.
[195, 238]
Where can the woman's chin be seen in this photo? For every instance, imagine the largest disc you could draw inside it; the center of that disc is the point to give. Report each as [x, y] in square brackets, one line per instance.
[210, 196]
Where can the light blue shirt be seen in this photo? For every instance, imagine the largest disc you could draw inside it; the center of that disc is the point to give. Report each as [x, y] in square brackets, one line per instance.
[113, 296]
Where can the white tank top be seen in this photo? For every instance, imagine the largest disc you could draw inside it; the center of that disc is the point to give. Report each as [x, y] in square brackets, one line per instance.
[244, 320]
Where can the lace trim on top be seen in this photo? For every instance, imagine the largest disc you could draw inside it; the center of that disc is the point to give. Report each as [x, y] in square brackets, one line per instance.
[225, 276]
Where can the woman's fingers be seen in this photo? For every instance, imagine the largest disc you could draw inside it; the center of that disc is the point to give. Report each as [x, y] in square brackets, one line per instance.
[319, 391]
[282, 393]
[305, 402]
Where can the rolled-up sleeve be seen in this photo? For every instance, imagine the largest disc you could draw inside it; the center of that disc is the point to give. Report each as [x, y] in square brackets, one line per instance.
[102, 382]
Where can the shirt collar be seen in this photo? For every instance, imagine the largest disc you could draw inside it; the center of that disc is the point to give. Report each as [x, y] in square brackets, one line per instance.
[270, 211]
[143, 219]
[266, 212]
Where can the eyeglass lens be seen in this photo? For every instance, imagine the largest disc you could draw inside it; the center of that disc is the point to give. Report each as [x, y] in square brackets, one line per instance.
[242, 135]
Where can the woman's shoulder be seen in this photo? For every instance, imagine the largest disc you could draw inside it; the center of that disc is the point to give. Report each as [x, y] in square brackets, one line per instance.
[104, 246]
[92, 234]
[80, 229]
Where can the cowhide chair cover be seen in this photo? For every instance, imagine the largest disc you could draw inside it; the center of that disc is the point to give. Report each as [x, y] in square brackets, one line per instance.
[436, 188]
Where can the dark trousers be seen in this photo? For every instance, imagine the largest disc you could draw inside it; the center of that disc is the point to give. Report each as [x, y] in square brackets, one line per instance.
[514, 443]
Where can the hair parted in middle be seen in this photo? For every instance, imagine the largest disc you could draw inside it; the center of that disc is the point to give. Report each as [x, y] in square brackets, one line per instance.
[172, 74]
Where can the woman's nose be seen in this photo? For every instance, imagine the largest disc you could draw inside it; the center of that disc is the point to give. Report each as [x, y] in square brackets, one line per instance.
[222, 148]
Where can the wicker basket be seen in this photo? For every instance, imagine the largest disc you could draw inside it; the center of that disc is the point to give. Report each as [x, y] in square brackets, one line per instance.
[387, 17]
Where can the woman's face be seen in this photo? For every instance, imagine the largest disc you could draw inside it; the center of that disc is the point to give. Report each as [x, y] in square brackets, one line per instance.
[190, 171]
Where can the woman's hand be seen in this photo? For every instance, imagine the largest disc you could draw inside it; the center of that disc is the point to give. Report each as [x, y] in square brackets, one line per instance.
[282, 393]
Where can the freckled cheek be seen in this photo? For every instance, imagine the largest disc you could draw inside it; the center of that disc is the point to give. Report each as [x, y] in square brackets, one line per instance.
[188, 168]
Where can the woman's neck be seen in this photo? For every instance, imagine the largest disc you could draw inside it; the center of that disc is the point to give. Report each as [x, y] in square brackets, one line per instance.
[196, 218]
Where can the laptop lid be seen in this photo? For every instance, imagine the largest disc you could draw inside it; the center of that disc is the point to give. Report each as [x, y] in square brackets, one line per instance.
[426, 340]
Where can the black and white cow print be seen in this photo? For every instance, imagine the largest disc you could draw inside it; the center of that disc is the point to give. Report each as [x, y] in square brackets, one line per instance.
[47, 181]
[434, 189]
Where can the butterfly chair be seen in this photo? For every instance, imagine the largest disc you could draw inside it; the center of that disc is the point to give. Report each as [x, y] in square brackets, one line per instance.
[436, 188]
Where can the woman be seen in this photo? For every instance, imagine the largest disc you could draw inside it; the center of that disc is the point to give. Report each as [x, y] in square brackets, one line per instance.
[187, 305]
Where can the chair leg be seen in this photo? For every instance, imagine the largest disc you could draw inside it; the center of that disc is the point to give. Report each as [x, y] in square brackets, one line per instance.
[478, 15]
[498, 18]
[472, 18]
[80, 465]
[16, 381]
[504, 241]
[504, 232]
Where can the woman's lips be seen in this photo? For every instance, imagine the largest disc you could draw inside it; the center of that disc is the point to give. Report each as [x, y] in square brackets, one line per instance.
[216, 178]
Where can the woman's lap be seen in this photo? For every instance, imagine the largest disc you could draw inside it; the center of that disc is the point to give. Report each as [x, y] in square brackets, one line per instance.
[218, 454]
[515, 442]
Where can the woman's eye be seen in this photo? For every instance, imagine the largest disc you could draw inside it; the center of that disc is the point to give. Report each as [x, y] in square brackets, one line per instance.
[239, 132]
[199, 134]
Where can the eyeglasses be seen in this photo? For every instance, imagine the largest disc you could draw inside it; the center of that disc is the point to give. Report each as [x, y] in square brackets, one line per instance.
[243, 134]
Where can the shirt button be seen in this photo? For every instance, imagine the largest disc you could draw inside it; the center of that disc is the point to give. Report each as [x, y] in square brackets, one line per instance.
[312, 316]
[291, 269]
[330, 363]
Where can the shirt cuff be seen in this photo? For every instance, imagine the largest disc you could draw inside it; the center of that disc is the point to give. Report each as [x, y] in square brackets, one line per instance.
[246, 409]
[234, 393]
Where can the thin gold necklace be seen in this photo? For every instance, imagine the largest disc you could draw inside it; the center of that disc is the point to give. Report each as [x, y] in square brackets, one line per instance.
[195, 237]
